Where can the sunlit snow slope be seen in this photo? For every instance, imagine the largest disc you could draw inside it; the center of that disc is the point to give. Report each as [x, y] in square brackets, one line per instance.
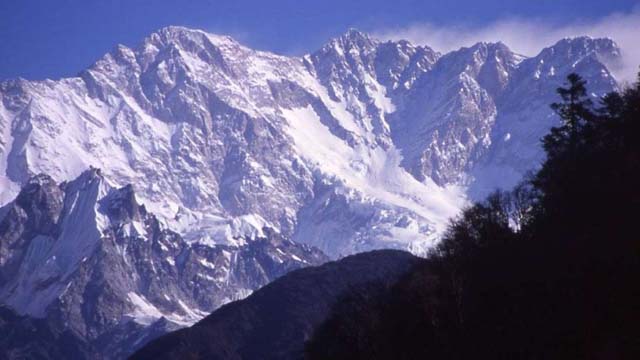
[362, 144]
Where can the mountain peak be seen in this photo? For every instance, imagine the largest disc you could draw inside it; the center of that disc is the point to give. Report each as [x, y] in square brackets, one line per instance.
[490, 46]
[39, 180]
[186, 37]
[40, 198]
[173, 32]
[92, 173]
[121, 205]
[582, 48]
[354, 38]
[587, 44]
[92, 178]
[174, 29]
[355, 34]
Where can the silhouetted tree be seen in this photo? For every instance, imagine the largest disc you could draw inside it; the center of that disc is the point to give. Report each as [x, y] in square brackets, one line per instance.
[574, 110]
[549, 270]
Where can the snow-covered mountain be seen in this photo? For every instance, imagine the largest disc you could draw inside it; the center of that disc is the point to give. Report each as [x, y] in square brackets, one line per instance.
[361, 144]
[87, 257]
[218, 161]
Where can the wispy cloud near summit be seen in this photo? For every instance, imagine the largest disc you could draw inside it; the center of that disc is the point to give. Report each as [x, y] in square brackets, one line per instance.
[529, 36]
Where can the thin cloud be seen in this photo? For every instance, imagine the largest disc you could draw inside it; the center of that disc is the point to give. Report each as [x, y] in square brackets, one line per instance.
[529, 36]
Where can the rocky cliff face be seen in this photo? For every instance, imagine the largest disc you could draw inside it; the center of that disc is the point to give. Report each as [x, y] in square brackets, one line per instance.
[523, 114]
[89, 259]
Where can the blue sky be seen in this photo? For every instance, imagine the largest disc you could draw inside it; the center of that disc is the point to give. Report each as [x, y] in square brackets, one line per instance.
[52, 39]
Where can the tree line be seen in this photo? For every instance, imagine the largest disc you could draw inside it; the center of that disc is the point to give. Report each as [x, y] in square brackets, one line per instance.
[550, 269]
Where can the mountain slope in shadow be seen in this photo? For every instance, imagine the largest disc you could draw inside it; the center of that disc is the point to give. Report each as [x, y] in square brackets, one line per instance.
[275, 321]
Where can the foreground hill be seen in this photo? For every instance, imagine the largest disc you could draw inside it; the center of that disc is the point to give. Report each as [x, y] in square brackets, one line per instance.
[275, 321]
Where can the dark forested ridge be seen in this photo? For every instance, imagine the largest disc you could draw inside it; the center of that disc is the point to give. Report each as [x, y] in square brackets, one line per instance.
[550, 269]
[275, 321]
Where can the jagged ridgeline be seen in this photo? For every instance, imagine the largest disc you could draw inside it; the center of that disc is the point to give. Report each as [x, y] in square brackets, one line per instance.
[546, 271]
[362, 144]
[222, 168]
